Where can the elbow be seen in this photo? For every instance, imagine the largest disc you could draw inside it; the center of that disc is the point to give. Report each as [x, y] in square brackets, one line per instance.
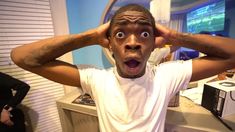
[231, 62]
[15, 57]
[21, 59]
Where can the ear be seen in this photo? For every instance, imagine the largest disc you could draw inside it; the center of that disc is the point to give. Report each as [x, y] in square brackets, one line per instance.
[111, 50]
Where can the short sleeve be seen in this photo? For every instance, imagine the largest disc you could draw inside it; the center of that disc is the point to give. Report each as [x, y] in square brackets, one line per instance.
[86, 77]
[175, 75]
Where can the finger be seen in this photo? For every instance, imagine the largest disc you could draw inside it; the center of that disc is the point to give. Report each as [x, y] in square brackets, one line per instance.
[161, 29]
[9, 123]
[106, 25]
[105, 43]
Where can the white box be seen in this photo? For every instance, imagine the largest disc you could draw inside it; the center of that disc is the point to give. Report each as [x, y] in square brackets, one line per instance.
[219, 97]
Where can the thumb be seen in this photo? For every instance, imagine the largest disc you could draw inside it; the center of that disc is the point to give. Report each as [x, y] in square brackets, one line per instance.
[105, 43]
[159, 42]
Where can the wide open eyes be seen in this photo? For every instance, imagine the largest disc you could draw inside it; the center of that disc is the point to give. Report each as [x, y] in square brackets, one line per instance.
[120, 35]
[145, 34]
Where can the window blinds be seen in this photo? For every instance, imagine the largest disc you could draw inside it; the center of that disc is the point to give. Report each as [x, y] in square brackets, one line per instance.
[22, 22]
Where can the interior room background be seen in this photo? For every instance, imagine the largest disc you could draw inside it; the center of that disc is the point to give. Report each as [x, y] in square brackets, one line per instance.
[24, 21]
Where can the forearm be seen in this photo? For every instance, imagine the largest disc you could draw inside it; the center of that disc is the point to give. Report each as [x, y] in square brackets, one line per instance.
[212, 46]
[41, 52]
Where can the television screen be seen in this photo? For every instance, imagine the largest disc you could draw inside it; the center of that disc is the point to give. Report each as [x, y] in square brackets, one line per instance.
[208, 18]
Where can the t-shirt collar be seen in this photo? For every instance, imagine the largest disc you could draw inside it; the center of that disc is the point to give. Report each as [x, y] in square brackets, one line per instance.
[123, 80]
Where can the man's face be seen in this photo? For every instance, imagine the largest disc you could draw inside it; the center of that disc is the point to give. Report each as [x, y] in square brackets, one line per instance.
[132, 41]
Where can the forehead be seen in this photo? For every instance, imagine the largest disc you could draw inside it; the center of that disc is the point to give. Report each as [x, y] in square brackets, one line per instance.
[132, 17]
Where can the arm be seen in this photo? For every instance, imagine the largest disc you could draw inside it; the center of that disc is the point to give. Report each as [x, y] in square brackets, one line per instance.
[40, 57]
[173, 48]
[220, 51]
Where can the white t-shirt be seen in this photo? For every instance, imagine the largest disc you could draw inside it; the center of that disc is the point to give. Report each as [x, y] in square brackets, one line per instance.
[135, 105]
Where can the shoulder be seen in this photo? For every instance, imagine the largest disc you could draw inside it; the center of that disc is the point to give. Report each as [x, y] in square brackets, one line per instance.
[93, 78]
[174, 75]
[92, 68]
[174, 67]
[177, 63]
[92, 71]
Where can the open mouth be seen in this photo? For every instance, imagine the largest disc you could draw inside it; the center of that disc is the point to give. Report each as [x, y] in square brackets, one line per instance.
[132, 63]
[133, 68]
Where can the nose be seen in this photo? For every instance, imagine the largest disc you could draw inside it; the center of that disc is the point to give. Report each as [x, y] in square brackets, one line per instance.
[132, 43]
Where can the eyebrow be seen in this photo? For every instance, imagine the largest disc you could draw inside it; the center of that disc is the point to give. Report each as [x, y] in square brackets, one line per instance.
[125, 22]
[144, 22]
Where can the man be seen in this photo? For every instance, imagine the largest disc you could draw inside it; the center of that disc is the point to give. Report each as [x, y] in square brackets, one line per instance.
[12, 118]
[132, 96]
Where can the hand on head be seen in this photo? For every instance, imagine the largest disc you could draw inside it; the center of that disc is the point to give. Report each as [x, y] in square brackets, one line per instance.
[163, 36]
[102, 35]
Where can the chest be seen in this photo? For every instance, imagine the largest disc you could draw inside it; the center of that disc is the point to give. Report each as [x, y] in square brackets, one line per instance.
[131, 101]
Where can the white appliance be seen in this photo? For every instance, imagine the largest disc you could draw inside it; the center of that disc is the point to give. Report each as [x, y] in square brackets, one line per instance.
[219, 97]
